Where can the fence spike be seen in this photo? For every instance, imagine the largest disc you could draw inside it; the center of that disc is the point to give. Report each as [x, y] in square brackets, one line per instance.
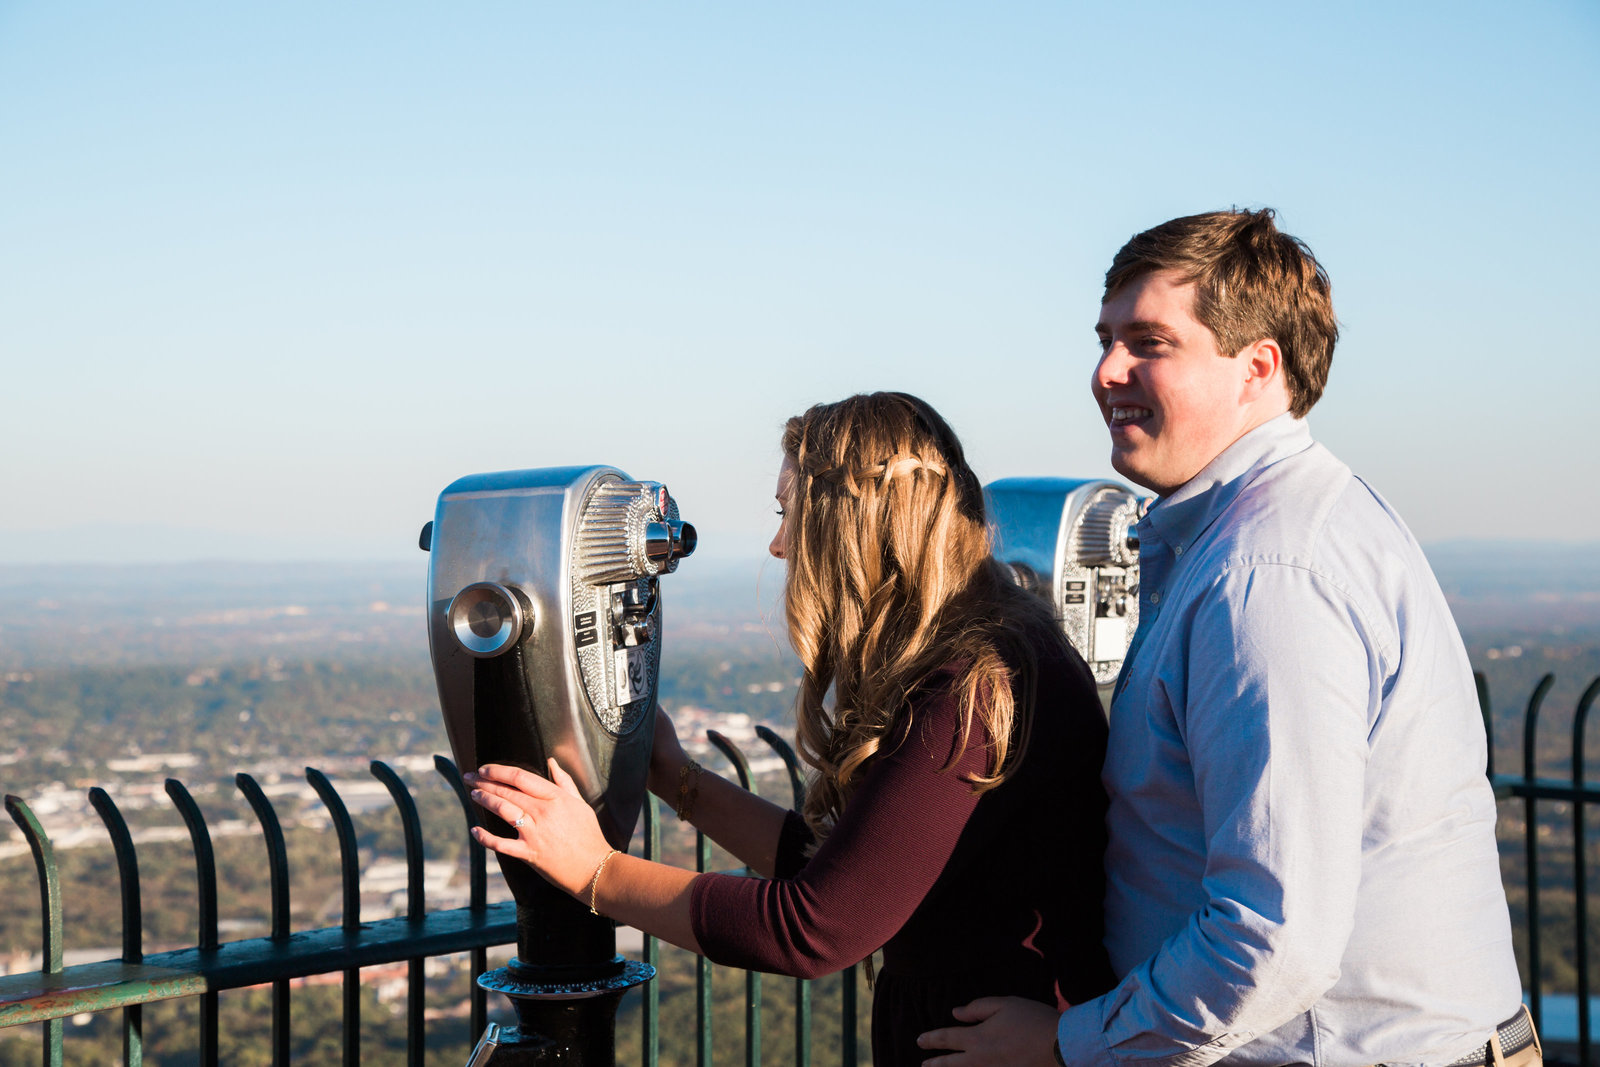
[349, 856]
[44, 861]
[1580, 869]
[802, 986]
[278, 879]
[416, 906]
[1482, 683]
[741, 766]
[205, 860]
[132, 916]
[477, 883]
[752, 979]
[1530, 730]
[277, 852]
[791, 763]
[205, 867]
[350, 899]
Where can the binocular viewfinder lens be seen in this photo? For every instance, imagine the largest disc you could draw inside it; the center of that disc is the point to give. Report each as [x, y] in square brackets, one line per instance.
[487, 619]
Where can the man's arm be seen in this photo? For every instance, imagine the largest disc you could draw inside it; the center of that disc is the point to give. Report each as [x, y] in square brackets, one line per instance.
[1274, 711]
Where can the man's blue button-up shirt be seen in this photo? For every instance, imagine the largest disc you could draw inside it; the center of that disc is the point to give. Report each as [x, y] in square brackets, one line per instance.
[1302, 865]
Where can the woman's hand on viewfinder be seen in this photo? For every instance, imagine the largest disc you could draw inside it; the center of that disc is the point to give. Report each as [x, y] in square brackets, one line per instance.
[667, 759]
[559, 837]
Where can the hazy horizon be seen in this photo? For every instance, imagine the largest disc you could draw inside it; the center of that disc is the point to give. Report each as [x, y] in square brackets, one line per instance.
[741, 556]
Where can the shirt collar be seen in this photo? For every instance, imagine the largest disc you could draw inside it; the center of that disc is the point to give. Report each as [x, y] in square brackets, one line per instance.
[1179, 518]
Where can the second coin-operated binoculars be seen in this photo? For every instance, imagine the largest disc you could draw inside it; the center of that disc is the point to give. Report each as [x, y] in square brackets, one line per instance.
[544, 623]
[1072, 541]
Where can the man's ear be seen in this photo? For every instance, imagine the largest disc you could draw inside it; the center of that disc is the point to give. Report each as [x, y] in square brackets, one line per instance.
[1262, 363]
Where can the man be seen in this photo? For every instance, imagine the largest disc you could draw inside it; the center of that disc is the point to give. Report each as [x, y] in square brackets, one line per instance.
[1302, 865]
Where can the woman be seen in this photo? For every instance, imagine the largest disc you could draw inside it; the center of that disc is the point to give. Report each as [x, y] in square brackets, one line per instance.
[954, 815]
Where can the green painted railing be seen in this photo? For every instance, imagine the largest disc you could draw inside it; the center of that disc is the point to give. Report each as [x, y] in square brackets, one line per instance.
[55, 992]
[1533, 791]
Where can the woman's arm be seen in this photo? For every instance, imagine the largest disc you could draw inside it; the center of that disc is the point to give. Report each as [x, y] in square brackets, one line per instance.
[884, 853]
[735, 818]
[890, 844]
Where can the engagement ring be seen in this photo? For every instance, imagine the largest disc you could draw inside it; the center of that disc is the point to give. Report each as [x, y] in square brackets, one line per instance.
[520, 820]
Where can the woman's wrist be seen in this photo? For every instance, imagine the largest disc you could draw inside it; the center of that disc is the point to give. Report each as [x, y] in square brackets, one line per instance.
[577, 877]
[663, 780]
[593, 889]
[688, 791]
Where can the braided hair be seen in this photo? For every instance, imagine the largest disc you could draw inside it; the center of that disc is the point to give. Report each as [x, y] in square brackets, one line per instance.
[890, 578]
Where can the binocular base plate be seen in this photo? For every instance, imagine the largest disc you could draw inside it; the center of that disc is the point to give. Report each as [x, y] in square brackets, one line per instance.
[526, 987]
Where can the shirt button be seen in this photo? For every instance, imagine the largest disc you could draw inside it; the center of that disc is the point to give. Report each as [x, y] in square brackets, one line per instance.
[1178, 551]
[1155, 598]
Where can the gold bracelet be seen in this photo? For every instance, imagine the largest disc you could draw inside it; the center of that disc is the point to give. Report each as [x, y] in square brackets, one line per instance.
[688, 791]
[594, 883]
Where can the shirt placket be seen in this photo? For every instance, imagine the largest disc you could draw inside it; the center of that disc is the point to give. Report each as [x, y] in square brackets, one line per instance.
[1155, 567]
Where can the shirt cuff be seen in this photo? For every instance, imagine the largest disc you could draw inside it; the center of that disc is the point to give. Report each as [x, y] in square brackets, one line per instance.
[1081, 1037]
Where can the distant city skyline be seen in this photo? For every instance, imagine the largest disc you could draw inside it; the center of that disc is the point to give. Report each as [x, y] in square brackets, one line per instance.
[271, 278]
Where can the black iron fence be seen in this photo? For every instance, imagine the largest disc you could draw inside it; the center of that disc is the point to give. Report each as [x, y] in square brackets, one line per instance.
[55, 992]
[1553, 815]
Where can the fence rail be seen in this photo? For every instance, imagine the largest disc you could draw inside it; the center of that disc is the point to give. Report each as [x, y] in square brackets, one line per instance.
[55, 992]
[1533, 790]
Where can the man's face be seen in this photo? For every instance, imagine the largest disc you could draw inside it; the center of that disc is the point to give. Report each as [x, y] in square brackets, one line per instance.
[1171, 400]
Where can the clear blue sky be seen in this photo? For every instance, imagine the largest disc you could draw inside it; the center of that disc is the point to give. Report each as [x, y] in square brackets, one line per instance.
[272, 275]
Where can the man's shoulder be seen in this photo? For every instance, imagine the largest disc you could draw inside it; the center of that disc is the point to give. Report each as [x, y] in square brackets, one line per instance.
[1312, 515]
[1309, 510]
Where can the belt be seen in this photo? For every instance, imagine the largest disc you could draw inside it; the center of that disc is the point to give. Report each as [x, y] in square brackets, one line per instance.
[1515, 1035]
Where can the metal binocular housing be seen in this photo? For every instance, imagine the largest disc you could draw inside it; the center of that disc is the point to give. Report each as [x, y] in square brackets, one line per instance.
[1073, 542]
[544, 623]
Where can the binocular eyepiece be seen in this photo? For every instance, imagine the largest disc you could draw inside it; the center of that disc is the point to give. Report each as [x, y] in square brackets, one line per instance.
[487, 618]
[625, 534]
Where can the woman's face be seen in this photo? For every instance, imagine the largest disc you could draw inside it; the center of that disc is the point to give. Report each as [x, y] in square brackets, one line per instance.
[785, 497]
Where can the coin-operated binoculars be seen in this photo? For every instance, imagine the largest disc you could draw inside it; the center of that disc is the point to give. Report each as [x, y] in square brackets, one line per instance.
[544, 622]
[1072, 541]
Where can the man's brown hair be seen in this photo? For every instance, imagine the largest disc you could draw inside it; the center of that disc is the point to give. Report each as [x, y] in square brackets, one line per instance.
[1252, 281]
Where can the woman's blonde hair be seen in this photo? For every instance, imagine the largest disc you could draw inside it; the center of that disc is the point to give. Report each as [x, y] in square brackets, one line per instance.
[890, 578]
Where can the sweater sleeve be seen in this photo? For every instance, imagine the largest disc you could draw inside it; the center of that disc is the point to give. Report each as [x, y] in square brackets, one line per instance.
[888, 847]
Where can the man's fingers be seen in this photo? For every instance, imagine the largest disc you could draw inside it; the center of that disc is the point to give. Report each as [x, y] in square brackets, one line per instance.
[1004, 1031]
[953, 1037]
[960, 1038]
[978, 1010]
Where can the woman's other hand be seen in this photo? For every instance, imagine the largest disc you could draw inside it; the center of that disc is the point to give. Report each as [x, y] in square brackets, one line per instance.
[667, 759]
[558, 834]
